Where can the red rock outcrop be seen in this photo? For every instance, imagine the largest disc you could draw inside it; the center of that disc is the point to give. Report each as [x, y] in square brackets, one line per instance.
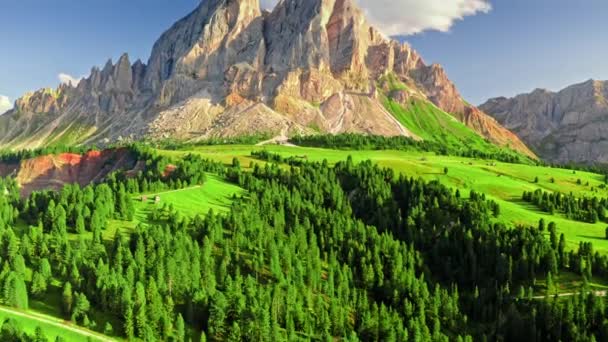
[52, 172]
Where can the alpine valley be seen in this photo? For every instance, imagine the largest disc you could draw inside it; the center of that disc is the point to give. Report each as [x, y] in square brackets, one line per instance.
[294, 175]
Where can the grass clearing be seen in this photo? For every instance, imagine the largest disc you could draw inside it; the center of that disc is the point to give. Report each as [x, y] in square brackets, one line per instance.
[216, 194]
[51, 326]
[501, 182]
[567, 282]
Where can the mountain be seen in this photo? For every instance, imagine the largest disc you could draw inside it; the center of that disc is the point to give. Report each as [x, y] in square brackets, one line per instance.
[229, 68]
[566, 126]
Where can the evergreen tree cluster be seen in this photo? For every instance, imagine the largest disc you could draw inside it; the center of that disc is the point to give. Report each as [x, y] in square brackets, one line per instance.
[349, 141]
[251, 139]
[349, 252]
[588, 209]
[12, 331]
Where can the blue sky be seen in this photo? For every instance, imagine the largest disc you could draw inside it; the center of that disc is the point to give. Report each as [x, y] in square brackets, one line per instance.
[517, 46]
[521, 45]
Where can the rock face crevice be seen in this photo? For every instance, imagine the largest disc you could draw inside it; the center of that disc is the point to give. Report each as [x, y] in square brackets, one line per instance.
[566, 126]
[229, 68]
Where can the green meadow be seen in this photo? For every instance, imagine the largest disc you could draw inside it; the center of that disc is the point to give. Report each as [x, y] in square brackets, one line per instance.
[501, 182]
[216, 194]
[52, 327]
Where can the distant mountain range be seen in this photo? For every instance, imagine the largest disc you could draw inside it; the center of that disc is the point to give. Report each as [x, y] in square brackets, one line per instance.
[229, 68]
[567, 126]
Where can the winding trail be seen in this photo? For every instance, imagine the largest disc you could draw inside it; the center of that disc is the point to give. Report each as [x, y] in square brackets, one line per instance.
[57, 323]
[570, 294]
[172, 191]
[282, 139]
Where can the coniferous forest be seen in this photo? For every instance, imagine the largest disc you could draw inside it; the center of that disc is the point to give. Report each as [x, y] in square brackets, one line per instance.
[295, 171]
[313, 251]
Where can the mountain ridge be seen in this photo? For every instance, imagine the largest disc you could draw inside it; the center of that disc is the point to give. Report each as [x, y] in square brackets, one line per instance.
[568, 125]
[229, 68]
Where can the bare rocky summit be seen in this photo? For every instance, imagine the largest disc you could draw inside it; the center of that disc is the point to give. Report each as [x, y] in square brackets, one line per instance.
[569, 125]
[229, 68]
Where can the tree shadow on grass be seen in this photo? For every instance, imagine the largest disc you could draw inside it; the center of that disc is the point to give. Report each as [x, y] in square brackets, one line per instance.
[589, 237]
[528, 206]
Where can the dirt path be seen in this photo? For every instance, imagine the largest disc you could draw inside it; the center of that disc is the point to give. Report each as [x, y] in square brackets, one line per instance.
[570, 294]
[49, 321]
[282, 139]
[172, 191]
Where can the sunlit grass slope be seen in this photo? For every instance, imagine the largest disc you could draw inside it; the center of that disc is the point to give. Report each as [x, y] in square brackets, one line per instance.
[502, 182]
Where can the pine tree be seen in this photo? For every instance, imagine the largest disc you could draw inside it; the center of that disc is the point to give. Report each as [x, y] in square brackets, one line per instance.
[217, 316]
[550, 286]
[141, 322]
[59, 222]
[80, 225]
[45, 269]
[108, 329]
[39, 285]
[67, 299]
[81, 306]
[39, 335]
[11, 331]
[180, 329]
[541, 225]
[235, 333]
[129, 324]
[15, 291]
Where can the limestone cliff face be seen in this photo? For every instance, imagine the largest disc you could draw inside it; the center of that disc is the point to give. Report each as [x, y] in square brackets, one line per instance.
[229, 68]
[570, 125]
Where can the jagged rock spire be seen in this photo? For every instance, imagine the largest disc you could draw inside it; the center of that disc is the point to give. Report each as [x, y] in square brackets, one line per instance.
[228, 69]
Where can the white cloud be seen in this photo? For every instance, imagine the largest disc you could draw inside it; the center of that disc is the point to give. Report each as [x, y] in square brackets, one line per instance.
[5, 104]
[69, 79]
[407, 17]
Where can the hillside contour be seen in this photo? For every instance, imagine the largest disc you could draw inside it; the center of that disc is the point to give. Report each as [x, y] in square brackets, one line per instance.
[53, 172]
[229, 68]
[570, 125]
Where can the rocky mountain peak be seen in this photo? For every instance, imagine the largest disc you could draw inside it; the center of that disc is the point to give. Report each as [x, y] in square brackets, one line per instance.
[563, 126]
[217, 34]
[107, 69]
[228, 68]
[440, 89]
[123, 75]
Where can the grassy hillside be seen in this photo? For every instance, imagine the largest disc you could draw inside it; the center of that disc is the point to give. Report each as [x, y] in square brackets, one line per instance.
[501, 182]
[257, 246]
[427, 121]
[432, 124]
[216, 194]
[52, 327]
